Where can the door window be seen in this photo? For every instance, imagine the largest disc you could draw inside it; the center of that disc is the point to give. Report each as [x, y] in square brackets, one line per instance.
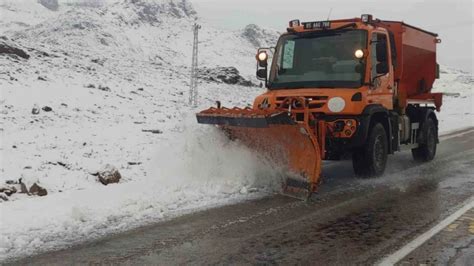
[379, 55]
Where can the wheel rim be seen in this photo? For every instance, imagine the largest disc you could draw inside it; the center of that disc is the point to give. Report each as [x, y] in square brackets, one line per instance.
[379, 153]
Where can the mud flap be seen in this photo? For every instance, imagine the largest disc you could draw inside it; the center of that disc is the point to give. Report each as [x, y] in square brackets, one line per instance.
[292, 145]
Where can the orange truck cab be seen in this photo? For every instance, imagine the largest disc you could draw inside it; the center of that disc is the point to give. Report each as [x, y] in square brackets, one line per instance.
[358, 88]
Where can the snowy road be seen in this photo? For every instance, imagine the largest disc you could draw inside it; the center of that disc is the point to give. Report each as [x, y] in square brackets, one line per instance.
[351, 221]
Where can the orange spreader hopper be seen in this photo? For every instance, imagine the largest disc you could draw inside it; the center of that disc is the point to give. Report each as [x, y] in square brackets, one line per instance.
[280, 138]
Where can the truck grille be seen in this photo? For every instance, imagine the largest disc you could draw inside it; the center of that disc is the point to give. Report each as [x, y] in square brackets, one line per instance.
[315, 102]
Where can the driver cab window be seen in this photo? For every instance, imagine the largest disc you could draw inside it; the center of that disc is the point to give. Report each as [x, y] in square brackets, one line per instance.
[379, 56]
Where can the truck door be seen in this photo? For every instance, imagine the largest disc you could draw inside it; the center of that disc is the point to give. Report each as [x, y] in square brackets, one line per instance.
[381, 71]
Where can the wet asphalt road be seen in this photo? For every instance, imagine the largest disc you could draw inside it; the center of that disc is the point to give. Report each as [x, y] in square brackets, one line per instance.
[350, 221]
[454, 245]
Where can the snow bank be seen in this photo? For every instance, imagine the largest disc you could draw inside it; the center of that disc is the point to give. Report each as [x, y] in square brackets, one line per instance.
[199, 168]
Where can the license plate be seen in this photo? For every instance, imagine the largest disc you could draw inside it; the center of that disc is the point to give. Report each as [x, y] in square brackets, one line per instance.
[316, 25]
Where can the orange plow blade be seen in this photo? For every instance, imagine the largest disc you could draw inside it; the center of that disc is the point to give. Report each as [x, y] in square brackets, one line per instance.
[276, 136]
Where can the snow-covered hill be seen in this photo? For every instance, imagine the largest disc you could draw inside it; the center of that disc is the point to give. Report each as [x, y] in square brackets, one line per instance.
[110, 70]
[108, 73]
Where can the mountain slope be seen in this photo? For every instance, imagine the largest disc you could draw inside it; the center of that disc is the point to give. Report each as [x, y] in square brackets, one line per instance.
[111, 73]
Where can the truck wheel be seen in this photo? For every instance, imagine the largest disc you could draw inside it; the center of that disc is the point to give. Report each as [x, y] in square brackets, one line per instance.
[427, 151]
[370, 160]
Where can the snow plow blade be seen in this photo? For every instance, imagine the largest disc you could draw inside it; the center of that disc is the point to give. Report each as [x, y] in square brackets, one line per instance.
[275, 135]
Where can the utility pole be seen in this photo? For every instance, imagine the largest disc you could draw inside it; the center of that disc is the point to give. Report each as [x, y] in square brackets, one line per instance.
[193, 90]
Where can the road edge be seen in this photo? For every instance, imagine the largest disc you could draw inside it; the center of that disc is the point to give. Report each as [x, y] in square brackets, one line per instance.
[418, 241]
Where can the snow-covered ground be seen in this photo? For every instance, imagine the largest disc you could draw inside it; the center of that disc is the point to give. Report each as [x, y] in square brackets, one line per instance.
[458, 103]
[108, 73]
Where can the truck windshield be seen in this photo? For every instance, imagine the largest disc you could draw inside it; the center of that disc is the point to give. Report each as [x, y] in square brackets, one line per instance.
[319, 59]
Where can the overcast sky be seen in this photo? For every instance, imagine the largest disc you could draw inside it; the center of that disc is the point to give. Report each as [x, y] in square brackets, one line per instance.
[451, 19]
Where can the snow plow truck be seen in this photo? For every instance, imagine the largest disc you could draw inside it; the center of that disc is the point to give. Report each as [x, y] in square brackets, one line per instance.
[351, 88]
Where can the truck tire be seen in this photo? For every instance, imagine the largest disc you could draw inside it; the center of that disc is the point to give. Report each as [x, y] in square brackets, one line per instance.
[427, 151]
[370, 160]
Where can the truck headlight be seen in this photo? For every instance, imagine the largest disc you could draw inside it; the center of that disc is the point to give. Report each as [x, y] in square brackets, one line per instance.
[262, 56]
[359, 54]
[336, 104]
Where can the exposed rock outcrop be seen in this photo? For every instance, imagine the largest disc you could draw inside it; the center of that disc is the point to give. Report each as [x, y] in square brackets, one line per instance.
[8, 190]
[258, 36]
[152, 11]
[227, 75]
[50, 4]
[10, 49]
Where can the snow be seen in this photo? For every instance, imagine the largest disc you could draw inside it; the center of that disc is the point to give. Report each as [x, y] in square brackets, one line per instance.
[186, 168]
[18, 14]
[197, 172]
[458, 105]
[143, 59]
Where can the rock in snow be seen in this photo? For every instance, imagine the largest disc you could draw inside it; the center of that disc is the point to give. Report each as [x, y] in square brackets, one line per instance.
[3, 197]
[104, 88]
[35, 189]
[109, 175]
[35, 110]
[8, 190]
[12, 50]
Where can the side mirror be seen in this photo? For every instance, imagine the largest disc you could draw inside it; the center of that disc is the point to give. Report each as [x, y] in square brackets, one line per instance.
[262, 73]
[262, 57]
[262, 64]
[382, 68]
